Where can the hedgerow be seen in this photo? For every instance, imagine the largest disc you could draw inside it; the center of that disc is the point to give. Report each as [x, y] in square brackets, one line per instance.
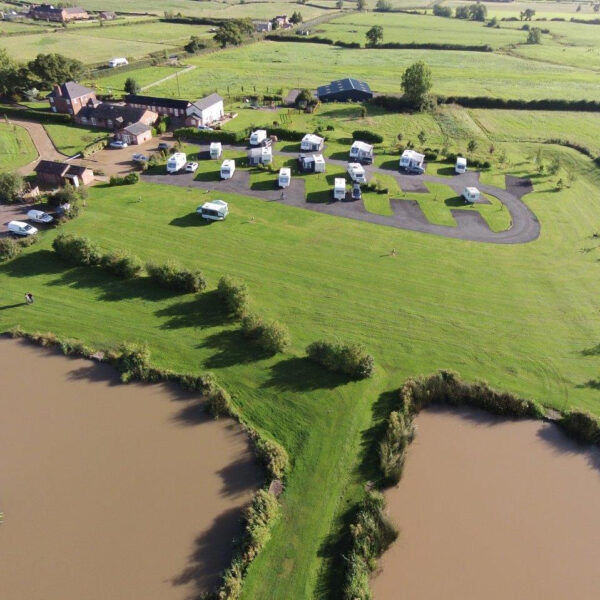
[175, 277]
[349, 359]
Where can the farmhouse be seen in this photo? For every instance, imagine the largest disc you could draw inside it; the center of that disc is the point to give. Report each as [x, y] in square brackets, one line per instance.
[311, 143]
[135, 134]
[344, 90]
[48, 12]
[281, 22]
[163, 106]
[260, 156]
[205, 111]
[113, 116]
[361, 152]
[263, 26]
[202, 112]
[107, 15]
[70, 97]
[57, 173]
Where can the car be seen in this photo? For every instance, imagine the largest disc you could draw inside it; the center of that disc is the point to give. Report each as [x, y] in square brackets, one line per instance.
[163, 146]
[21, 228]
[356, 192]
[118, 144]
[205, 128]
[39, 216]
[139, 158]
[191, 167]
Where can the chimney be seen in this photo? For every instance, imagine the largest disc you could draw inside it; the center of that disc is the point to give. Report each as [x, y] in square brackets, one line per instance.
[57, 90]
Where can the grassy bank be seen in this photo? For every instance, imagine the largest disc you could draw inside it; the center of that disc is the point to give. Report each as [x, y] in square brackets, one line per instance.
[16, 147]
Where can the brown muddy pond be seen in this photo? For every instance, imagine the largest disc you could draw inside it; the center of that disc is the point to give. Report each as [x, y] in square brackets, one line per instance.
[493, 509]
[112, 491]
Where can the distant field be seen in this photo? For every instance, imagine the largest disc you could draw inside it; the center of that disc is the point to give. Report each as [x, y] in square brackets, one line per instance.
[275, 65]
[116, 82]
[16, 147]
[541, 7]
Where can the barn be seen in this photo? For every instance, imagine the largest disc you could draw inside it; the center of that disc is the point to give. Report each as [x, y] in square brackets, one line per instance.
[344, 90]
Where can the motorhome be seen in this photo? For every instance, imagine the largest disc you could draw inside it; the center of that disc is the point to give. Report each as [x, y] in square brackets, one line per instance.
[258, 137]
[471, 194]
[176, 162]
[227, 168]
[339, 188]
[461, 165]
[356, 172]
[215, 210]
[285, 177]
[117, 62]
[216, 149]
[361, 152]
[412, 162]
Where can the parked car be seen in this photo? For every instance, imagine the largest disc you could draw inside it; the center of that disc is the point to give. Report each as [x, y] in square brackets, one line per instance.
[356, 192]
[191, 167]
[139, 158]
[205, 128]
[21, 228]
[39, 216]
[163, 146]
[118, 144]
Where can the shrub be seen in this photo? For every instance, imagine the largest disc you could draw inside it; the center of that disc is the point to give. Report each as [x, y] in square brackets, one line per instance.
[9, 248]
[131, 360]
[76, 249]
[367, 136]
[11, 187]
[349, 359]
[203, 135]
[581, 426]
[218, 403]
[272, 455]
[231, 588]
[392, 449]
[271, 337]
[175, 277]
[75, 348]
[259, 516]
[122, 264]
[129, 179]
[234, 295]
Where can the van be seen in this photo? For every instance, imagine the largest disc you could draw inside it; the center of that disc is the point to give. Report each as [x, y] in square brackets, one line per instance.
[227, 168]
[216, 210]
[176, 162]
[117, 62]
[216, 149]
[285, 177]
[21, 228]
[461, 165]
[339, 188]
[39, 216]
[258, 137]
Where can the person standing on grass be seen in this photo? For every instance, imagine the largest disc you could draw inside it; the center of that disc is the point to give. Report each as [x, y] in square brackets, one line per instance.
[29, 298]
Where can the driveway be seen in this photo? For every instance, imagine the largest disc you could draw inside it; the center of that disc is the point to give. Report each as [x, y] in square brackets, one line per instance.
[42, 142]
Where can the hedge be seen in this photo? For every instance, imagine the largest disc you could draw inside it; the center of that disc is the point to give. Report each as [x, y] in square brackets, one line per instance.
[175, 277]
[433, 46]
[298, 39]
[204, 135]
[34, 115]
[349, 359]
[367, 136]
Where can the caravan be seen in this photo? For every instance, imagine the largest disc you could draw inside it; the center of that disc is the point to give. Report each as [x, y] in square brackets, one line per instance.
[339, 188]
[227, 168]
[216, 210]
[361, 152]
[176, 162]
[215, 150]
[117, 62]
[285, 177]
[357, 172]
[461, 165]
[258, 137]
[471, 195]
[412, 162]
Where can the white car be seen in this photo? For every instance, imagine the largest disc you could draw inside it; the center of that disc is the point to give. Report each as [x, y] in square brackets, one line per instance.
[139, 158]
[39, 216]
[191, 167]
[118, 144]
[21, 228]
[205, 128]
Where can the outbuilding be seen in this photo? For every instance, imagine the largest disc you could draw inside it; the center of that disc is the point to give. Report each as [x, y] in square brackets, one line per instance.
[135, 134]
[56, 173]
[311, 143]
[344, 90]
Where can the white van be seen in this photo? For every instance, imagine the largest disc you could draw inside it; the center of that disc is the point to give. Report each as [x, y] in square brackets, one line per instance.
[21, 228]
[285, 177]
[216, 210]
[39, 216]
[176, 162]
[227, 168]
[471, 194]
[117, 62]
[216, 148]
[339, 188]
[357, 172]
[461, 165]
[258, 137]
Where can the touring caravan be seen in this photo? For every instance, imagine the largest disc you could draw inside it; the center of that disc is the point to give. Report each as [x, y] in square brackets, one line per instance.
[339, 188]
[471, 194]
[357, 172]
[311, 163]
[227, 168]
[215, 210]
[412, 162]
[216, 150]
[176, 162]
[311, 143]
[361, 152]
[258, 137]
[285, 177]
[117, 62]
[461, 165]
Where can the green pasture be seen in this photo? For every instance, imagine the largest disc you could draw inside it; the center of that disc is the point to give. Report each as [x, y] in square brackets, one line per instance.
[71, 139]
[115, 83]
[16, 147]
[543, 9]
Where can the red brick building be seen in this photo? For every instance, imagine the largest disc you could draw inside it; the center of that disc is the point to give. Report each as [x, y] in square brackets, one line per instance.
[70, 97]
[56, 173]
[47, 12]
[113, 116]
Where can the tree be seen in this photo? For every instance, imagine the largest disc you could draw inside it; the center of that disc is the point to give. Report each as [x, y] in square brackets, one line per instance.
[383, 6]
[50, 69]
[462, 12]
[194, 45]
[339, 4]
[416, 83]
[132, 86]
[493, 22]
[442, 11]
[296, 18]
[374, 35]
[233, 32]
[422, 137]
[11, 187]
[477, 12]
[527, 14]
[472, 146]
[534, 36]
[304, 97]
[362, 5]
[597, 7]
[578, 9]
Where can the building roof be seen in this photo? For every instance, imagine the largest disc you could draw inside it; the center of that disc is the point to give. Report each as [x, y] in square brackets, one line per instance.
[51, 167]
[137, 128]
[117, 113]
[207, 101]
[362, 146]
[74, 10]
[343, 85]
[77, 170]
[260, 151]
[70, 90]
[154, 101]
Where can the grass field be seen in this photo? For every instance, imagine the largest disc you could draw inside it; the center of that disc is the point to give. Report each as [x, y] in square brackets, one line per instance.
[16, 147]
[282, 65]
[116, 83]
[71, 139]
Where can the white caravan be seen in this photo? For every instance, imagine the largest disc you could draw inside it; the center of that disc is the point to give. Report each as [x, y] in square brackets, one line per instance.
[357, 172]
[258, 137]
[216, 210]
[285, 177]
[176, 162]
[216, 149]
[471, 194]
[339, 188]
[227, 168]
[461, 165]
[117, 62]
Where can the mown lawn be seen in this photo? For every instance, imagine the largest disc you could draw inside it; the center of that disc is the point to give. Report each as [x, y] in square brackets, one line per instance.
[71, 139]
[115, 83]
[16, 147]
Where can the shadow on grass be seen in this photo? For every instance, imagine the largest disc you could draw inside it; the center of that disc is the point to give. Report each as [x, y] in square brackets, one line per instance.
[209, 175]
[455, 201]
[593, 351]
[192, 219]
[593, 384]
[199, 310]
[42, 262]
[300, 374]
[446, 171]
[291, 148]
[340, 155]
[232, 349]
[389, 165]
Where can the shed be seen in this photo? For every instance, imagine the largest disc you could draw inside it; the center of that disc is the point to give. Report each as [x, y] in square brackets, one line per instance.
[343, 90]
[135, 134]
[57, 173]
